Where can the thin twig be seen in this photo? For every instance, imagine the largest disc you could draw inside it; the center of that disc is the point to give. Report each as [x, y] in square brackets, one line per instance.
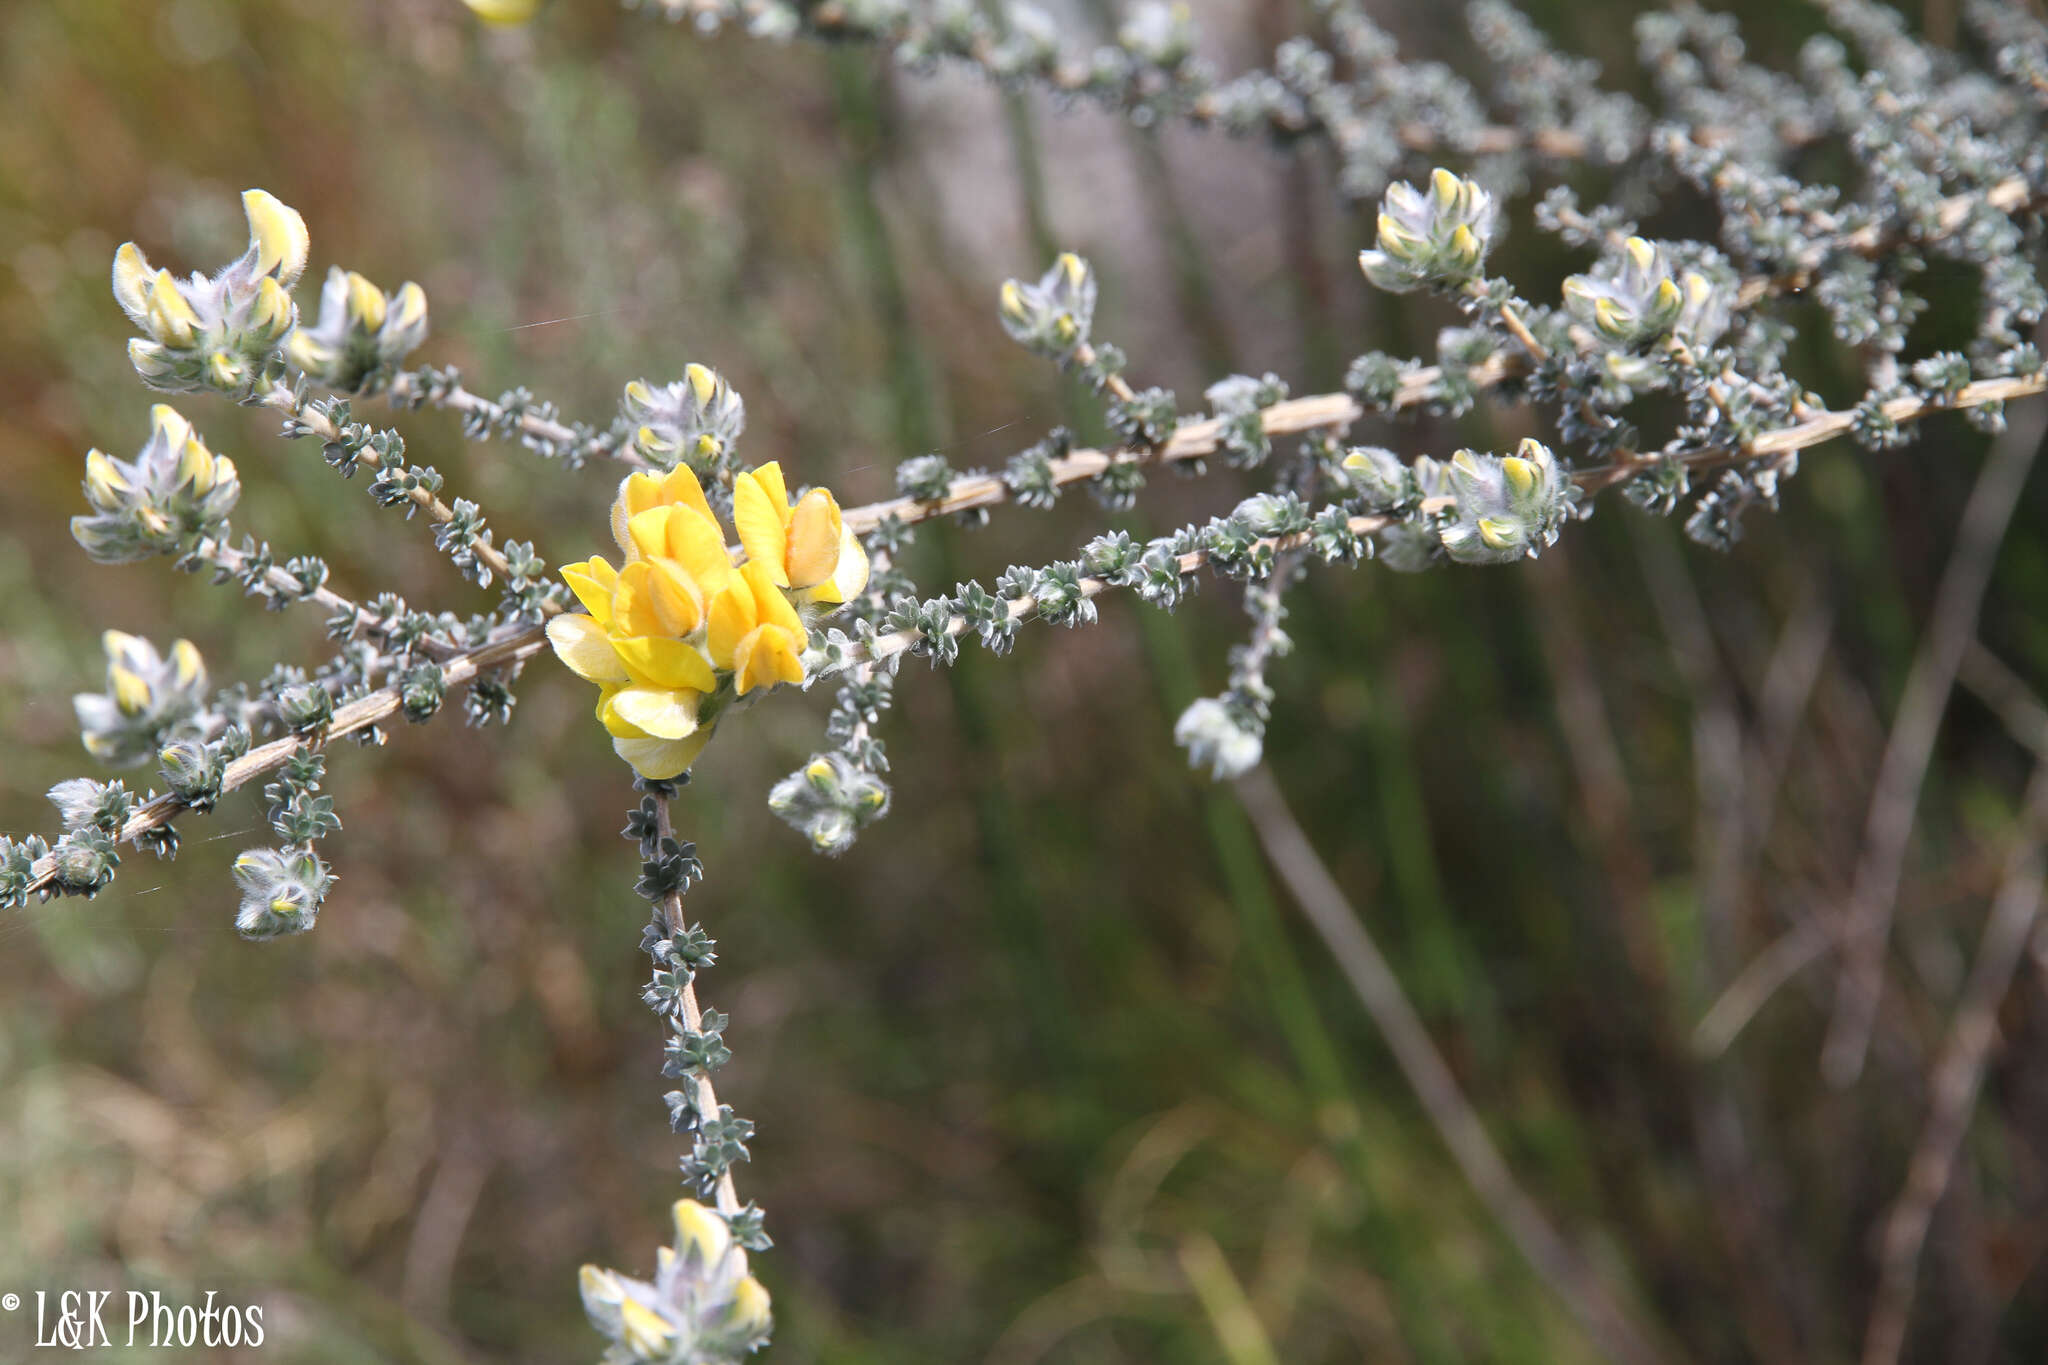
[282, 400]
[671, 910]
[1958, 1075]
[363, 623]
[1555, 1262]
[1911, 746]
[360, 714]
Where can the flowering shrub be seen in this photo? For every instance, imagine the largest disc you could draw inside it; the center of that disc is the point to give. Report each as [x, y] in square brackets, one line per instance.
[731, 584]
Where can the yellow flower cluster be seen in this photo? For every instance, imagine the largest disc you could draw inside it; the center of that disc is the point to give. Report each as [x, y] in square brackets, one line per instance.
[679, 630]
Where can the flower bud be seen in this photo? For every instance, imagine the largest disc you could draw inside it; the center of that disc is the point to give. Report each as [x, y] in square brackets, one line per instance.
[1438, 238]
[362, 336]
[282, 891]
[192, 771]
[220, 333]
[693, 421]
[1052, 316]
[148, 699]
[174, 490]
[1636, 298]
[701, 1306]
[1507, 507]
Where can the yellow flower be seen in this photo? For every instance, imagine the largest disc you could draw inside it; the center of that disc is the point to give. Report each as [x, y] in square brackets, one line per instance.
[755, 632]
[807, 547]
[677, 631]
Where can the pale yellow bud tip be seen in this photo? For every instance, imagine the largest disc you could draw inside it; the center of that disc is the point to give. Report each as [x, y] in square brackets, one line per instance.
[700, 1230]
[411, 303]
[749, 1309]
[1520, 473]
[278, 233]
[169, 423]
[1445, 185]
[703, 381]
[103, 481]
[366, 302]
[185, 658]
[1641, 252]
[131, 277]
[131, 693]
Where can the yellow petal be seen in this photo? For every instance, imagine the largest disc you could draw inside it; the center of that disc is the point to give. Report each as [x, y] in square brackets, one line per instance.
[195, 466]
[307, 353]
[761, 517]
[646, 1333]
[771, 607]
[695, 544]
[131, 693]
[366, 302]
[769, 476]
[700, 1233]
[170, 316]
[766, 656]
[703, 381]
[633, 606]
[582, 644]
[649, 531]
[747, 1314]
[609, 719]
[1520, 473]
[813, 539]
[131, 280]
[681, 486]
[185, 659]
[104, 484]
[170, 424]
[677, 598]
[732, 615]
[279, 235]
[654, 443]
[662, 712]
[655, 662]
[850, 578]
[661, 759]
[411, 305]
[593, 581]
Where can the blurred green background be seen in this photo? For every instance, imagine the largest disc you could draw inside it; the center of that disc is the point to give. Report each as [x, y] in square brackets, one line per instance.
[1051, 1031]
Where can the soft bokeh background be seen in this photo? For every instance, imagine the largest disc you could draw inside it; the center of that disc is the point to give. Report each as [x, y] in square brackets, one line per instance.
[1051, 1029]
